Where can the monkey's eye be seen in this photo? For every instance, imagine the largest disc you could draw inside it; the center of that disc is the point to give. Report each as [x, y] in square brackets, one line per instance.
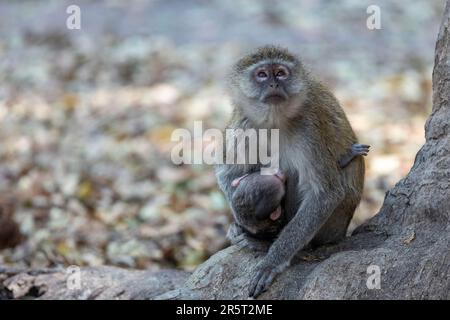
[281, 74]
[261, 75]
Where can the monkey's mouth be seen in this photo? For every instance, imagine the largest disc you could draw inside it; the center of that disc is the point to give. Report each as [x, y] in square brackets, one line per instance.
[274, 98]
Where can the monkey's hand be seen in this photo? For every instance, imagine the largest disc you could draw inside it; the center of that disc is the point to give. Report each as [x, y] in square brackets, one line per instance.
[239, 238]
[265, 273]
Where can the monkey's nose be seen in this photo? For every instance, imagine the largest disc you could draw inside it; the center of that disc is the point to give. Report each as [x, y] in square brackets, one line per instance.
[274, 85]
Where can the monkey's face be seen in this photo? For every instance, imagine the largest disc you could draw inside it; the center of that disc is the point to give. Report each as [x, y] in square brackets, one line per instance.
[269, 91]
[272, 80]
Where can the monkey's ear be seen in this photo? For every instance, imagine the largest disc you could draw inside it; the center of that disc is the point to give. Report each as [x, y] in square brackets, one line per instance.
[276, 214]
[263, 211]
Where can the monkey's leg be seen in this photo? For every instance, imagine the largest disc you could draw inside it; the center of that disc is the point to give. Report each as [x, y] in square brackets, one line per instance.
[313, 213]
[237, 236]
[357, 149]
[335, 229]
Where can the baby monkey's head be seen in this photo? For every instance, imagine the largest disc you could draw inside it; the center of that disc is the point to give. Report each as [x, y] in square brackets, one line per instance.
[268, 85]
[257, 203]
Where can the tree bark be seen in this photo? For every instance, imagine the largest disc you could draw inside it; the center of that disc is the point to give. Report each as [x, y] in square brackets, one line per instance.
[408, 242]
[90, 283]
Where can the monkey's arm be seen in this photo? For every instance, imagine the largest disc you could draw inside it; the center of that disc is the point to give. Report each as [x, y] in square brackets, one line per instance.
[310, 217]
[357, 149]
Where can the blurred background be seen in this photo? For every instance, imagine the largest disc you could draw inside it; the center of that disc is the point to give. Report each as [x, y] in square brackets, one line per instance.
[86, 115]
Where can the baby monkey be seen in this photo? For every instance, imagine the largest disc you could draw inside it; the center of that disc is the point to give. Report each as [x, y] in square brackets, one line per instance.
[257, 204]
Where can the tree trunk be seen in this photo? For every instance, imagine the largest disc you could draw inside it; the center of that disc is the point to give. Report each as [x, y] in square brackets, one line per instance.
[408, 242]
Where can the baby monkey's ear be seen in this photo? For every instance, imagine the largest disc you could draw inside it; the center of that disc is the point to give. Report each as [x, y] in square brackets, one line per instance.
[274, 216]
